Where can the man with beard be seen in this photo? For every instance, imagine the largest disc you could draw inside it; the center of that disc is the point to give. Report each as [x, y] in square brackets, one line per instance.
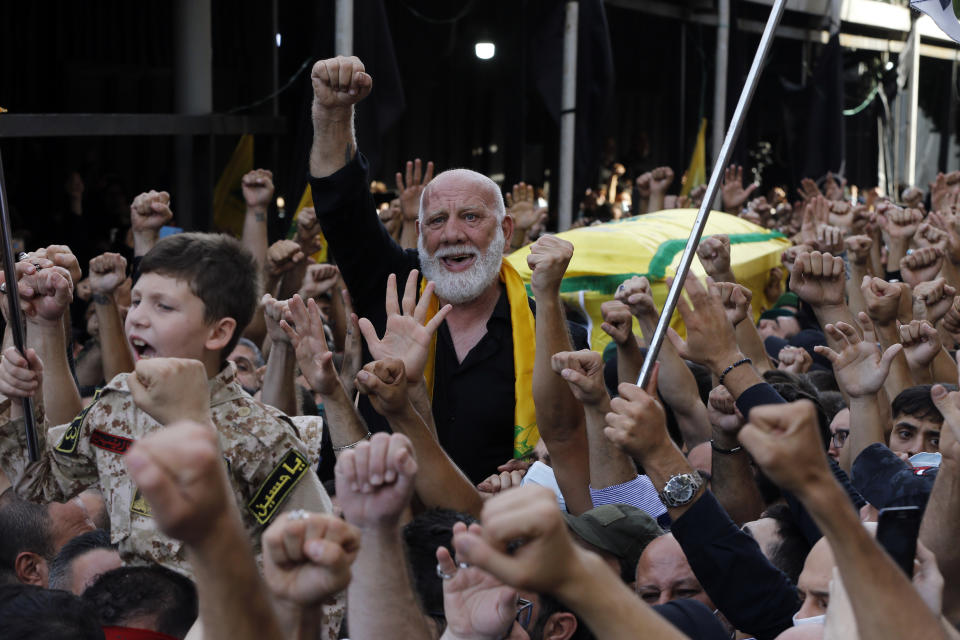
[480, 370]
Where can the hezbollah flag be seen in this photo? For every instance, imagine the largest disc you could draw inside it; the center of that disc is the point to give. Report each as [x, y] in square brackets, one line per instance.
[306, 200]
[229, 206]
[696, 174]
[943, 12]
[651, 245]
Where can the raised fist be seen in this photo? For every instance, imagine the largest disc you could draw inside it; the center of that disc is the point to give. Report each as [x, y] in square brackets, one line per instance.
[257, 187]
[548, 260]
[385, 383]
[661, 179]
[617, 321]
[282, 256]
[583, 371]
[921, 266]
[171, 389]
[858, 248]
[736, 301]
[107, 272]
[318, 280]
[714, 254]
[150, 211]
[309, 234]
[339, 82]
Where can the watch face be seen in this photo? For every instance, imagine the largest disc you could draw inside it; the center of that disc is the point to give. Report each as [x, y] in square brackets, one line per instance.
[679, 490]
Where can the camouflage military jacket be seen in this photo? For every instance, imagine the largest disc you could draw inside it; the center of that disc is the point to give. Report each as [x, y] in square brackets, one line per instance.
[270, 460]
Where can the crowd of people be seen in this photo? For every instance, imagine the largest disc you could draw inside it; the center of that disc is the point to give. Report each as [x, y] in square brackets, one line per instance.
[238, 441]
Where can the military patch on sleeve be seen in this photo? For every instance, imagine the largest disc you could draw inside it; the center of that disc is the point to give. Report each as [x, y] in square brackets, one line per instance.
[68, 443]
[275, 488]
[110, 442]
[140, 505]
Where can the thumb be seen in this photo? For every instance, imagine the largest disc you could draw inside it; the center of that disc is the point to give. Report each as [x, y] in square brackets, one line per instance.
[678, 343]
[753, 438]
[946, 403]
[887, 359]
[369, 333]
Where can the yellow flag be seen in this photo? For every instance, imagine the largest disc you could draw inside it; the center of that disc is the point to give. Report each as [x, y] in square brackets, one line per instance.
[306, 200]
[228, 204]
[697, 171]
[651, 245]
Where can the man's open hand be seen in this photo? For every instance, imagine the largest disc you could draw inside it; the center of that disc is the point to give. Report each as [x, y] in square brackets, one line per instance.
[411, 186]
[408, 333]
[303, 326]
[171, 389]
[734, 193]
[860, 367]
[711, 340]
[307, 560]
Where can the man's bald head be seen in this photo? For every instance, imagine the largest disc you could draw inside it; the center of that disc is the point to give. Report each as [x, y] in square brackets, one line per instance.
[465, 179]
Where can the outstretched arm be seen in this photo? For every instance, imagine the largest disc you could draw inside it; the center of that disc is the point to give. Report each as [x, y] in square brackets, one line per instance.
[560, 417]
[785, 444]
[440, 483]
[338, 84]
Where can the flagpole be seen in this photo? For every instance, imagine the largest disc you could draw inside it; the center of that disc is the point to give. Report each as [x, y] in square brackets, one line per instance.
[14, 313]
[713, 186]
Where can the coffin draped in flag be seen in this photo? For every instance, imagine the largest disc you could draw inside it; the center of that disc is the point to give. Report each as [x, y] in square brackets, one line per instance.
[943, 12]
[651, 245]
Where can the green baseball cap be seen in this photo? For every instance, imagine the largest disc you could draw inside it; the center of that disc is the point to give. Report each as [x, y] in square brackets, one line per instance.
[619, 529]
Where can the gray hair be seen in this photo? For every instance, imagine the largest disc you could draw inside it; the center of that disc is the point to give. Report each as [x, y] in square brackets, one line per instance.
[258, 360]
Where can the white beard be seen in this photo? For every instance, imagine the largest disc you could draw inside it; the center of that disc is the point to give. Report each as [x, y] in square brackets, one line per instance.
[464, 286]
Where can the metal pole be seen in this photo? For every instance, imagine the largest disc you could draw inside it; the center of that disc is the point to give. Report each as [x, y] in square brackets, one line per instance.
[16, 317]
[568, 118]
[193, 94]
[914, 92]
[713, 186]
[343, 39]
[720, 77]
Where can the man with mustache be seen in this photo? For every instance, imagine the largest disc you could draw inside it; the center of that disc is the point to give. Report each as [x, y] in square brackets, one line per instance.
[480, 367]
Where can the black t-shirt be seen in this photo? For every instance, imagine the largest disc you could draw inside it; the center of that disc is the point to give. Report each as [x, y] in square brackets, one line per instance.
[473, 401]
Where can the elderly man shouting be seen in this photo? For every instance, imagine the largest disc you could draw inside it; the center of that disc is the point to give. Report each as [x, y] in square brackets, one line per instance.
[479, 372]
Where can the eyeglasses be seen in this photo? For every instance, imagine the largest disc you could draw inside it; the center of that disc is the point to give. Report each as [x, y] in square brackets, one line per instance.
[839, 437]
[524, 611]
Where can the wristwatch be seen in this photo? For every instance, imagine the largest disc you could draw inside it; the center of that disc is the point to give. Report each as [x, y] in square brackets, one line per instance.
[680, 489]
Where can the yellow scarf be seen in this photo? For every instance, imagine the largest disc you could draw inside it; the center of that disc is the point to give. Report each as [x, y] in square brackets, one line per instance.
[525, 434]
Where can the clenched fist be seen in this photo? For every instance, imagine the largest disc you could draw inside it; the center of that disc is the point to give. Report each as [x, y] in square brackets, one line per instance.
[339, 83]
[257, 187]
[107, 272]
[171, 389]
[150, 211]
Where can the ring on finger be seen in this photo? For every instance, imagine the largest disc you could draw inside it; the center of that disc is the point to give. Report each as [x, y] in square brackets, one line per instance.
[298, 514]
[443, 575]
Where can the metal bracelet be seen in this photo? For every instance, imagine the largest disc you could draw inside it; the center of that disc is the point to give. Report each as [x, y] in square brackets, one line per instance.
[351, 446]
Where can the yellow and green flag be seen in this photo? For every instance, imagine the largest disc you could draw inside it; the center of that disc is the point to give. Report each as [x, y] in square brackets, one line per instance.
[697, 171]
[229, 206]
[651, 245]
